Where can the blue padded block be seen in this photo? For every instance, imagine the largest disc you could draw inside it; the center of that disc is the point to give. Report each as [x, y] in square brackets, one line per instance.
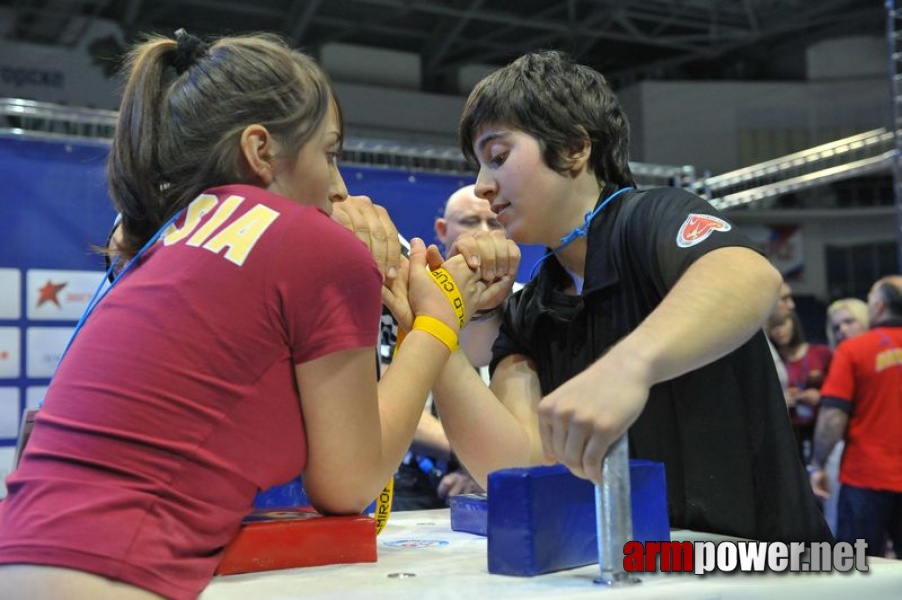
[470, 513]
[542, 519]
[290, 493]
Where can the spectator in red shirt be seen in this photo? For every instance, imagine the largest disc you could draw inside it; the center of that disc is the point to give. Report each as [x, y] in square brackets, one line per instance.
[846, 318]
[862, 402]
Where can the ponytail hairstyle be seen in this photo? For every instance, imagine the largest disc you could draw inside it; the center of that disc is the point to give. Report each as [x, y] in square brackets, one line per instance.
[560, 103]
[184, 108]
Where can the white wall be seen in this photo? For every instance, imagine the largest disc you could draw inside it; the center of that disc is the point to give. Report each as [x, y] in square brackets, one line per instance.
[360, 64]
[821, 228]
[380, 112]
[705, 123]
[72, 76]
[847, 57]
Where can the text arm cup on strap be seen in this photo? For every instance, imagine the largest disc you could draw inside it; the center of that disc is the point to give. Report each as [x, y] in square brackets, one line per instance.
[447, 284]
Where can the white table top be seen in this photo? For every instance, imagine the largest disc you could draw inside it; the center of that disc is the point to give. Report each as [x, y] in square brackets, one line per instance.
[436, 562]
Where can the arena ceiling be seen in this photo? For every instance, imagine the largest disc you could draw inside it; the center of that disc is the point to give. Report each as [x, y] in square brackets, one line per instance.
[628, 40]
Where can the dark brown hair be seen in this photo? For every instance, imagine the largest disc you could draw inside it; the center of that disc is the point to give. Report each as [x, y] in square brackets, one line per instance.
[561, 104]
[798, 334]
[178, 134]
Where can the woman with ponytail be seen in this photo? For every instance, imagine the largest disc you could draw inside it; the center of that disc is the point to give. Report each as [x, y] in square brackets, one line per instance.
[234, 349]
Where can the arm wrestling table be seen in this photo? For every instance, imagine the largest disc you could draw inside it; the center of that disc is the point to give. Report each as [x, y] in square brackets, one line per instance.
[420, 557]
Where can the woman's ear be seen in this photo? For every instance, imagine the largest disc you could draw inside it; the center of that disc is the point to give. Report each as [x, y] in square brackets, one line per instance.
[258, 149]
[578, 156]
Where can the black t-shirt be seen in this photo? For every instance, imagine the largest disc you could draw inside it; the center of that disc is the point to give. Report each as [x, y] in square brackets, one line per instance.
[722, 430]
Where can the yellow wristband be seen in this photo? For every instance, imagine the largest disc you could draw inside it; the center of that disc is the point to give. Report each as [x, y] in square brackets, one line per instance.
[383, 505]
[437, 329]
[447, 284]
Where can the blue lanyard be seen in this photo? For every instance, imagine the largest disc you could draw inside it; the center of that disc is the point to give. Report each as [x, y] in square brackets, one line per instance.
[102, 289]
[578, 232]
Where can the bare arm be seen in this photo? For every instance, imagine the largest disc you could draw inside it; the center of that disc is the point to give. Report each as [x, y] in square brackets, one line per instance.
[585, 415]
[476, 340]
[716, 306]
[430, 438]
[718, 303]
[487, 433]
[358, 431]
[830, 428]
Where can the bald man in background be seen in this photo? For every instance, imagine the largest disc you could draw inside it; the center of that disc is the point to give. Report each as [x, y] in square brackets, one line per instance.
[465, 213]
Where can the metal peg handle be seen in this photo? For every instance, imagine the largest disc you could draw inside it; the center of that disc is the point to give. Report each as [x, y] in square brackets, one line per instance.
[614, 518]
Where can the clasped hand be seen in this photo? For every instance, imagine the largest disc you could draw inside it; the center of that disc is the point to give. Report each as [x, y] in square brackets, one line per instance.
[482, 268]
[495, 257]
[581, 419]
[483, 264]
[372, 226]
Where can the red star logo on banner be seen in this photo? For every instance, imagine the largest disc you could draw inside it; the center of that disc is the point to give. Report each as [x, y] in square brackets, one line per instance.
[49, 293]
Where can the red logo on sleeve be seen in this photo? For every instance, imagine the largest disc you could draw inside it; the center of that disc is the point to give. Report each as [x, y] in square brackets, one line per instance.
[697, 228]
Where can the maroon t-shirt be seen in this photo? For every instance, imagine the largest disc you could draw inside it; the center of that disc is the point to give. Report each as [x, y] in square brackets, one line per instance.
[177, 400]
[806, 373]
